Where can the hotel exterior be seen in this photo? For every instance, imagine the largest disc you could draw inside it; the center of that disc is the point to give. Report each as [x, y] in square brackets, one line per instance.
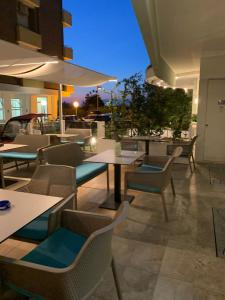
[37, 25]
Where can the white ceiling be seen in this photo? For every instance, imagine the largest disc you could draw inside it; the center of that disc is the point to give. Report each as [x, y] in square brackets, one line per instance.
[189, 30]
[180, 32]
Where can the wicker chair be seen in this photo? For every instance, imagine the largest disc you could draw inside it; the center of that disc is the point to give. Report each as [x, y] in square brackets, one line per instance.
[30, 152]
[152, 181]
[83, 137]
[70, 154]
[52, 180]
[128, 144]
[49, 180]
[71, 263]
[187, 151]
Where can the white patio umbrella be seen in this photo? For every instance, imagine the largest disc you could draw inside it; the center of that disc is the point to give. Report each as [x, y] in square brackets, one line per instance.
[23, 63]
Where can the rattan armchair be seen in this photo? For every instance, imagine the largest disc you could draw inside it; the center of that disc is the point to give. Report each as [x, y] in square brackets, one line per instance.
[49, 180]
[70, 154]
[153, 181]
[78, 279]
[52, 180]
[187, 151]
[129, 144]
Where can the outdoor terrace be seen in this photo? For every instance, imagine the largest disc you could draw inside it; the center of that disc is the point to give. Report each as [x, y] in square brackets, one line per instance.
[158, 260]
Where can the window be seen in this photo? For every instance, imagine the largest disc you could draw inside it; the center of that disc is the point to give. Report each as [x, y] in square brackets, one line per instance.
[42, 105]
[16, 107]
[28, 17]
[2, 112]
[22, 15]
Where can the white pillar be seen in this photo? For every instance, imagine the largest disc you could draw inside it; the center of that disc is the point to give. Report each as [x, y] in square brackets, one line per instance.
[61, 121]
[195, 97]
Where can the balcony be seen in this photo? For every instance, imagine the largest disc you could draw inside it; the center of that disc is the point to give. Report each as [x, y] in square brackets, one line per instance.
[31, 3]
[67, 90]
[28, 38]
[67, 53]
[66, 19]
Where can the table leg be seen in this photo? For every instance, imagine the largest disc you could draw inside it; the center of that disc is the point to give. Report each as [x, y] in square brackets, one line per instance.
[147, 147]
[114, 200]
[117, 183]
[2, 181]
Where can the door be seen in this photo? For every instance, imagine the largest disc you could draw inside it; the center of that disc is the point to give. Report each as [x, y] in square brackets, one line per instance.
[214, 145]
[42, 105]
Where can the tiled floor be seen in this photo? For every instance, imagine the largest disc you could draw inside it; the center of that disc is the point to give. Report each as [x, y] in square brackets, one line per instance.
[158, 260]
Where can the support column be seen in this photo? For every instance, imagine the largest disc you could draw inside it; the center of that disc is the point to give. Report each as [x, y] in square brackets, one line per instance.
[61, 121]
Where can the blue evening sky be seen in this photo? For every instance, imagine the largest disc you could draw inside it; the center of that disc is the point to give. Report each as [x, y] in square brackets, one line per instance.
[105, 37]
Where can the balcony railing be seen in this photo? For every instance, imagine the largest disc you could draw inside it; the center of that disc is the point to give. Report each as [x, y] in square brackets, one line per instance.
[67, 53]
[28, 38]
[66, 19]
[31, 3]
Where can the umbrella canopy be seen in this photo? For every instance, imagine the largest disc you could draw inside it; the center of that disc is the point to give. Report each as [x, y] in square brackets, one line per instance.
[23, 63]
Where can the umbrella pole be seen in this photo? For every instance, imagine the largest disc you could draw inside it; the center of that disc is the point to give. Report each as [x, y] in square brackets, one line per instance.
[61, 121]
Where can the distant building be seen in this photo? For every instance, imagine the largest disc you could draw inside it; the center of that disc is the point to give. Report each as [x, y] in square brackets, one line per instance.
[37, 25]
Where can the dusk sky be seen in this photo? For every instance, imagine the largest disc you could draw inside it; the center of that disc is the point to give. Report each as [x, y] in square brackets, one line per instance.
[105, 37]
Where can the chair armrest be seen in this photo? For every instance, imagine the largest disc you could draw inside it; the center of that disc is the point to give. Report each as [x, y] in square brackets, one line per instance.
[24, 188]
[151, 179]
[54, 219]
[29, 276]
[84, 223]
[187, 149]
[40, 152]
[156, 160]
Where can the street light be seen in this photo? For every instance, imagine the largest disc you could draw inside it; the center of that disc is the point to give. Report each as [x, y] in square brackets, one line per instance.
[76, 105]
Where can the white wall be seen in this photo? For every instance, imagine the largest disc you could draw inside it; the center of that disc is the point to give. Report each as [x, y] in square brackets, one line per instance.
[211, 68]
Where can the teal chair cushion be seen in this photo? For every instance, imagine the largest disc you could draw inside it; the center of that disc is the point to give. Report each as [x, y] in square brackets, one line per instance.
[143, 188]
[58, 251]
[81, 143]
[87, 171]
[37, 230]
[151, 168]
[19, 155]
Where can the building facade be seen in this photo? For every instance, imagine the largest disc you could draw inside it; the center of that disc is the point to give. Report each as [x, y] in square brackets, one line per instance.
[39, 26]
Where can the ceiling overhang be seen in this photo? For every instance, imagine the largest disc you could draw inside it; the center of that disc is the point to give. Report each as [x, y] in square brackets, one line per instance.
[178, 34]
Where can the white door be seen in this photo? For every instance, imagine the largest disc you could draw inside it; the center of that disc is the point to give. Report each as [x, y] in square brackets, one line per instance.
[214, 146]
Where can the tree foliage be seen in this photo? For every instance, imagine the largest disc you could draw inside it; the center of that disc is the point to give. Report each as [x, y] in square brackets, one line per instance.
[149, 109]
[91, 100]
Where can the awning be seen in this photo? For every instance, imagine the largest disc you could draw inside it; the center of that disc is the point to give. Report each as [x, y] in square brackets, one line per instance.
[23, 63]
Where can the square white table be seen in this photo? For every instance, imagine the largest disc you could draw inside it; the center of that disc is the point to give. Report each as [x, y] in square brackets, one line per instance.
[147, 139]
[25, 207]
[10, 146]
[109, 157]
